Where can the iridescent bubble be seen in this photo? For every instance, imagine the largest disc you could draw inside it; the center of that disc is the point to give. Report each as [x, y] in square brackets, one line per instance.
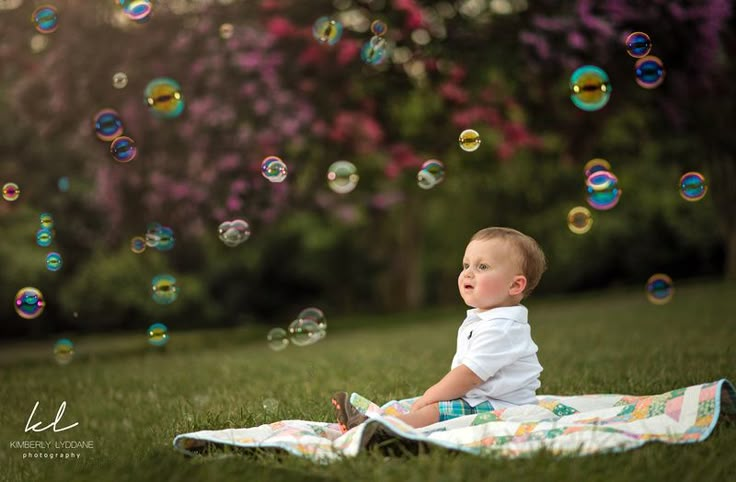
[63, 184]
[469, 140]
[590, 88]
[138, 10]
[595, 165]
[374, 50]
[11, 191]
[431, 174]
[603, 192]
[274, 169]
[29, 303]
[327, 31]
[63, 351]
[314, 314]
[164, 289]
[304, 332]
[378, 27]
[53, 262]
[228, 234]
[158, 334]
[226, 30]
[579, 220]
[659, 289]
[166, 239]
[638, 44]
[47, 220]
[649, 72]
[270, 405]
[342, 177]
[692, 186]
[108, 125]
[123, 149]
[277, 339]
[44, 237]
[137, 245]
[45, 18]
[119, 80]
[164, 98]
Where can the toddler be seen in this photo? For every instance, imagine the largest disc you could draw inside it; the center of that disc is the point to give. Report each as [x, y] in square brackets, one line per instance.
[495, 365]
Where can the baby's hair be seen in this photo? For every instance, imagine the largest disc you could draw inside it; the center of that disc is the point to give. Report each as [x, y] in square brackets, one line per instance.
[533, 261]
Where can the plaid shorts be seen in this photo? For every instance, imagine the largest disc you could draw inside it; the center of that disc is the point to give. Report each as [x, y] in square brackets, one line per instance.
[457, 408]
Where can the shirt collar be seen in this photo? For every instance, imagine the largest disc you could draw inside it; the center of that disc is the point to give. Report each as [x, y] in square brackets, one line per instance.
[517, 313]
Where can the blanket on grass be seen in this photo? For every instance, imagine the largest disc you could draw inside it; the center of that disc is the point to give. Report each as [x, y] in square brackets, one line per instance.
[563, 425]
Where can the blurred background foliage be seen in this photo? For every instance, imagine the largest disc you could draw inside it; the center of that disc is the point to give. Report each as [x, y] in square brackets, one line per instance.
[499, 66]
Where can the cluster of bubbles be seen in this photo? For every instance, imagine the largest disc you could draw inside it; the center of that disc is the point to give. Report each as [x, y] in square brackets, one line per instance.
[157, 236]
[45, 18]
[45, 235]
[327, 31]
[11, 191]
[63, 351]
[601, 185]
[234, 233]
[164, 98]
[164, 289]
[109, 128]
[648, 69]
[590, 88]
[29, 303]
[158, 334]
[469, 140]
[375, 50]
[430, 174]
[342, 177]
[693, 186]
[274, 169]
[308, 328]
[138, 11]
[659, 289]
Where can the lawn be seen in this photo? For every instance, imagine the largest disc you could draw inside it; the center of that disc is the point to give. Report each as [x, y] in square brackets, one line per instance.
[131, 400]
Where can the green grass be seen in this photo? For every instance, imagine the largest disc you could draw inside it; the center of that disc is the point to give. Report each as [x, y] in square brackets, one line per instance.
[132, 401]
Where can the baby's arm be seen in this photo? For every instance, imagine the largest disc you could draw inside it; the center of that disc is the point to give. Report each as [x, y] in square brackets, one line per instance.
[453, 385]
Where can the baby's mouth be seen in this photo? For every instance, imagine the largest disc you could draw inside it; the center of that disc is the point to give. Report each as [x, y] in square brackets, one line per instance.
[467, 287]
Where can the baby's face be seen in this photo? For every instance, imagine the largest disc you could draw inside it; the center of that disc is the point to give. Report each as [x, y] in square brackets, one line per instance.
[491, 274]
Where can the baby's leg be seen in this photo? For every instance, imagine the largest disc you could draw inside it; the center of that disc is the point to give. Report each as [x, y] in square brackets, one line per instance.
[426, 415]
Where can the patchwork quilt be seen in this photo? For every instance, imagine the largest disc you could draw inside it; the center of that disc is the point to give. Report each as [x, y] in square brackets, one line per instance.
[563, 425]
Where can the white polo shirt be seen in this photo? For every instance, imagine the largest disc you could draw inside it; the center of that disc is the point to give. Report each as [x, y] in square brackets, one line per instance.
[497, 346]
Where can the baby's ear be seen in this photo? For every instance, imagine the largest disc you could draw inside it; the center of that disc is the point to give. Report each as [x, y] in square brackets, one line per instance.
[518, 285]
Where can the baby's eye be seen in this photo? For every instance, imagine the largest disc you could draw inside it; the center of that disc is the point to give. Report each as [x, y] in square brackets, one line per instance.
[465, 266]
[482, 267]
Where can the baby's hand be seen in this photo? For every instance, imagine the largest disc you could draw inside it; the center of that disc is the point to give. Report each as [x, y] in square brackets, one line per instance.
[418, 405]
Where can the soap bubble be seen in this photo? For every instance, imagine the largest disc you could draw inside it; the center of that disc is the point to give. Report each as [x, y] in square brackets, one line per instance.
[45, 18]
[274, 169]
[11, 191]
[47, 220]
[303, 332]
[44, 237]
[53, 261]
[123, 149]
[327, 31]
[342, 177]
[63, 351]
[692, 186]
[431, 174]
[595, 165]
[137, 244]
[108, 125]
[378, 27]
[638, 44]
[277, 339]
[469, 140]
[314, 314]
[119, 80]
[590, 88]
[166, 239]
[649, 72]
[29, 303]
[164, 98]
[603, 192]
[158, 334]
[579, 220]
[138, 10]
[374, 51]
[659, 289]
[235, 232]
[270, 405]
[164, 289]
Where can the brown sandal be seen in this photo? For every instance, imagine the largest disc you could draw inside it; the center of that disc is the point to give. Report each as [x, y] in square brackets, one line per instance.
[347, 415]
